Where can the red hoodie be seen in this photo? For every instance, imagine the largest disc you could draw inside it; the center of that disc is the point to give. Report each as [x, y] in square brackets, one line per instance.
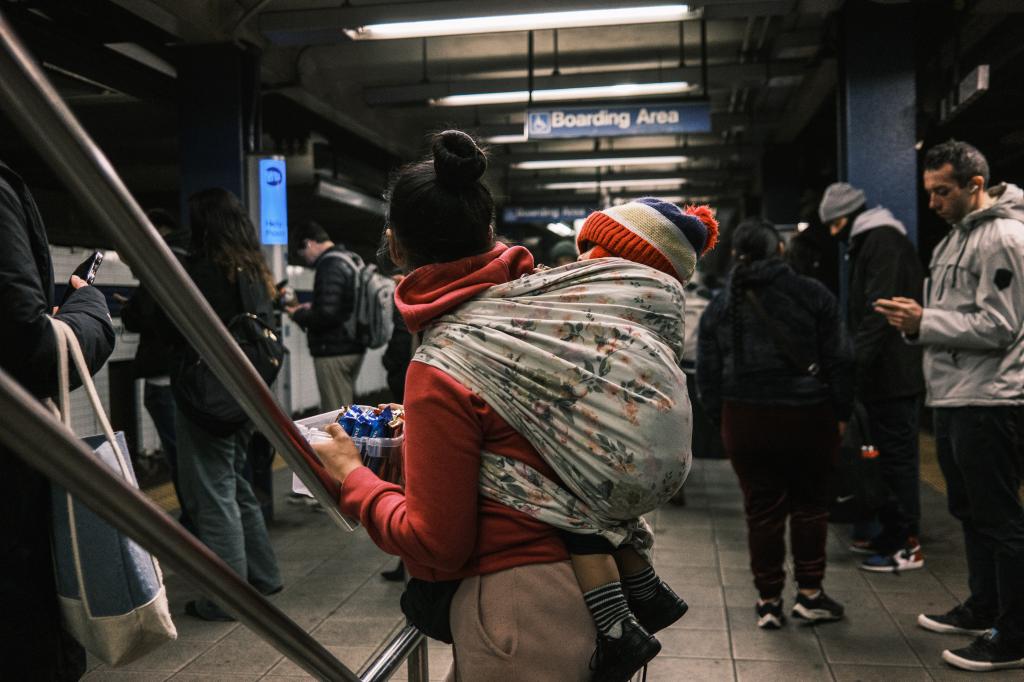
[440, 525]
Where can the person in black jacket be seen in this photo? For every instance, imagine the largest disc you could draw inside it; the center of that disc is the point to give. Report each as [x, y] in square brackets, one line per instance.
[224, 258]
[773, 369]
[337, 355]
[142, 315]
[34, 643]
[889, 379]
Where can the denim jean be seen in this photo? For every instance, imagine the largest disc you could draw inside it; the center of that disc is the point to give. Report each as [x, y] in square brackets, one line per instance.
[222, 505]
[977, 450]
[894, 426]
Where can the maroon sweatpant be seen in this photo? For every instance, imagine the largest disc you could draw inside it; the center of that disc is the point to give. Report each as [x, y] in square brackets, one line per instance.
[783, 456]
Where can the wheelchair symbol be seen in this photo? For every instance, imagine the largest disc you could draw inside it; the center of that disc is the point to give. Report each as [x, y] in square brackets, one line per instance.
[540, 123]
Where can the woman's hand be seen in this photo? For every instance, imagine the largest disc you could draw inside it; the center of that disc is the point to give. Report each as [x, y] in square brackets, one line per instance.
[340, 455]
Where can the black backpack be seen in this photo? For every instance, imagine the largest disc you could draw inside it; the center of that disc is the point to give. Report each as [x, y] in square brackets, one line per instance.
[199, 393]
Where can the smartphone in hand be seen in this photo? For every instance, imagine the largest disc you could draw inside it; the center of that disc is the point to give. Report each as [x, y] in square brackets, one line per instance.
[86, 271]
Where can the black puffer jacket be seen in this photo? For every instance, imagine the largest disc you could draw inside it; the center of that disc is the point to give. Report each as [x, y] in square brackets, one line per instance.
[883, 264]
[738, 360]
[333, 304]
[142, 314]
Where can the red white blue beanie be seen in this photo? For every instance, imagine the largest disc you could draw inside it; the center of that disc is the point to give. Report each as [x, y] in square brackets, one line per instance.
[652, 232]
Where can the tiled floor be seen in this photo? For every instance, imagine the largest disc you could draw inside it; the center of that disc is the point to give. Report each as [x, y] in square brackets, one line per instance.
[333, 590]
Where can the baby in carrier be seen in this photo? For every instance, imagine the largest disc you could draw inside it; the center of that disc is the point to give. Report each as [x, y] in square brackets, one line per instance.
[627, 600]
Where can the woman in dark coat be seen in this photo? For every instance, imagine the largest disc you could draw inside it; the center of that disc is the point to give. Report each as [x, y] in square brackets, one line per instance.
[774, 370]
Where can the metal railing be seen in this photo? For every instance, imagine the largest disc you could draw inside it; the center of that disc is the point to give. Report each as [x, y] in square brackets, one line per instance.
[31, 432]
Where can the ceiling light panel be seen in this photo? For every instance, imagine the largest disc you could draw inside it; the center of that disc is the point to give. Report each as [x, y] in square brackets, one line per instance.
[616, 184]
[521, 22]
[622, 90]
[542, 164]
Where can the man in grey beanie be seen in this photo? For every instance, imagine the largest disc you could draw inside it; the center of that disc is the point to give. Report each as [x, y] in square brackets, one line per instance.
[889, 382]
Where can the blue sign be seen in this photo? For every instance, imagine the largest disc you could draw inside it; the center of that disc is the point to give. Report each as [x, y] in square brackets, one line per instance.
[618, 121]
[545, 214]
[273, 202]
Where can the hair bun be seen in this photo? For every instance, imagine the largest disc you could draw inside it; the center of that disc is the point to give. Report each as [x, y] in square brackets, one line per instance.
[458, 161]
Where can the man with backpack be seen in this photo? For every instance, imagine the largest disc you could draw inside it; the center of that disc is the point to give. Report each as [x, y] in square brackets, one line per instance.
[330, 319]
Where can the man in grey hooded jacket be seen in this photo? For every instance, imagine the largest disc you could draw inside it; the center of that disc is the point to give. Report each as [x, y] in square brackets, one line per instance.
[972, 330]
[883, 263]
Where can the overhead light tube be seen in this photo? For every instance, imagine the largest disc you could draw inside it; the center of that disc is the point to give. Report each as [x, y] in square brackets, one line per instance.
[543, 164]
[618, 91]
[561, 229]
[616, 184]
[534, 21]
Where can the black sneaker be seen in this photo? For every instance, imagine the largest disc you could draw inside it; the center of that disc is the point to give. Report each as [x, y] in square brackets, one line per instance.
[660, 611]
[988, 652]
[960, 620]
[821, 609]
[618, 658]
[770, 615]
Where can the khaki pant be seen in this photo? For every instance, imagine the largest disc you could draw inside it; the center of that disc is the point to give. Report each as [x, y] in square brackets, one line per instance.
[336, 379]
[525, 624]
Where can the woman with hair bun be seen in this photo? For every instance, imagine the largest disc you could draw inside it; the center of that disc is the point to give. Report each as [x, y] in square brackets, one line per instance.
[534, 404]
[517, 614]
[775, 371]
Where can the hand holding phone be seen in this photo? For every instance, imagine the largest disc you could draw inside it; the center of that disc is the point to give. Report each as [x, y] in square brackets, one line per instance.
[86, 272]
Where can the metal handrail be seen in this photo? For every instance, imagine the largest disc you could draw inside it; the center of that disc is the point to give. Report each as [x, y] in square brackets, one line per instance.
[47, 445]
[408, 643]
[30, 431]
[43, 118]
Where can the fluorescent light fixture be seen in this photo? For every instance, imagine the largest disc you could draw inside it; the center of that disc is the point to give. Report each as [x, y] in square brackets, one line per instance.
[534, 21]
[616, 184]
[562, 94]
[561, 229]
[349, 197]
[542, 164]
[507, 139]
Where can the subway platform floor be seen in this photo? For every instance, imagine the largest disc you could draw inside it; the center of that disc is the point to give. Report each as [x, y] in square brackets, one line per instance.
[333, 589]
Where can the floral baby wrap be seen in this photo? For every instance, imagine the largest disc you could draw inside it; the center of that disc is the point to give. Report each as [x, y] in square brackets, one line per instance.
[583, 361]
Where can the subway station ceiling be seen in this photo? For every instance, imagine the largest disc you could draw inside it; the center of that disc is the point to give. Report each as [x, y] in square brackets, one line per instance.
[758, 63]
[351, 108]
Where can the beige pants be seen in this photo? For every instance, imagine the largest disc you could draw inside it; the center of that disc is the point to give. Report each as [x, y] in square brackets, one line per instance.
[336, 379]
[526, 624]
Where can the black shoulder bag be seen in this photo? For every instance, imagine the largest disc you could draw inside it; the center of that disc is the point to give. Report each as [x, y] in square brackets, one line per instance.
[426, 604]
[200, 394]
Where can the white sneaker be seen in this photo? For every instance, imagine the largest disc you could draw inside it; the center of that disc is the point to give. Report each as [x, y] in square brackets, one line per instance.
[909, 558]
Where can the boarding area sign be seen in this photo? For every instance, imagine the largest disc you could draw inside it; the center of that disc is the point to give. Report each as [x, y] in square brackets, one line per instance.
[545, 214]
[616, 121]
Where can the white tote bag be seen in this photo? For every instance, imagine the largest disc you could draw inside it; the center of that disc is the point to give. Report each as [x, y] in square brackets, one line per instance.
[110, 589]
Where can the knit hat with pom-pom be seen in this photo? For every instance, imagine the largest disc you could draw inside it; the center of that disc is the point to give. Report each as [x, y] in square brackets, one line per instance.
[653, 232]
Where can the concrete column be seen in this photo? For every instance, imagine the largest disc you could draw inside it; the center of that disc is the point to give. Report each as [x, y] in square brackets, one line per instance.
[877, 104]
[218, 105]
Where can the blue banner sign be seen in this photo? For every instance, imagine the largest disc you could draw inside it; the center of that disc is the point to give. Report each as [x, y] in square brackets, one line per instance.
[273, 202]
[545, 214]
[617, 121]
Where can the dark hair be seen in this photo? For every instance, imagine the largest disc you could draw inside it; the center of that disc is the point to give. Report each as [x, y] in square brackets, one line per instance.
[223, 234]
[438, 209]
[753, 240]
[312, 231]
[965, 159]
[162, 220]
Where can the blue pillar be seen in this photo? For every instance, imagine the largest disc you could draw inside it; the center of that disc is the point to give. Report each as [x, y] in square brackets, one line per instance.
[218, 105]
[877, 93]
